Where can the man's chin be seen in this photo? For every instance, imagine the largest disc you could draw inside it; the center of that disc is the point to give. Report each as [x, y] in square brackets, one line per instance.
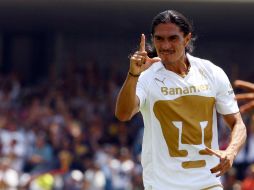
[168, 60]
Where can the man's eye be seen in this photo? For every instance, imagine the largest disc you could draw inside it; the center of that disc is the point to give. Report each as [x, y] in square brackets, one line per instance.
[173, 38]
[158, 38]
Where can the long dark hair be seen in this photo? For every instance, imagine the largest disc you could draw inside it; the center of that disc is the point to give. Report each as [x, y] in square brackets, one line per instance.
[171, 16]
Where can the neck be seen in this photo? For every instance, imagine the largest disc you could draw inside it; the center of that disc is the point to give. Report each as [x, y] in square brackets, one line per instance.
[180, 67]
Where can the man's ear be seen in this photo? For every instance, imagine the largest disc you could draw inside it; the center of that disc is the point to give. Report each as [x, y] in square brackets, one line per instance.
[187, 39]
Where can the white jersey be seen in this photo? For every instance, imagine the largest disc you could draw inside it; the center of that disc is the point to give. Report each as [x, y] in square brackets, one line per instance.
[180, 122]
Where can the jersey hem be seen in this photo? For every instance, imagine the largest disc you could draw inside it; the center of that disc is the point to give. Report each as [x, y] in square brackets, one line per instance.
[213, 186]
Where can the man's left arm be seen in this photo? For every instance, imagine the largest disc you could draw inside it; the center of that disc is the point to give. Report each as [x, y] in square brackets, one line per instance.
[237, 139]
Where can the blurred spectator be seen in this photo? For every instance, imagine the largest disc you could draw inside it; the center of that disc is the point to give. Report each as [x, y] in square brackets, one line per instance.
[121, 170]
[13, 142]
[94, 178]
[9, 178]
[248, 182]
[230, 181]
[40, 159]
[250, 141]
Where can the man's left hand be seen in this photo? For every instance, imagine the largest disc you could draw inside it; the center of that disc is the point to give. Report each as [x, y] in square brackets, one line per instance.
[226, 161]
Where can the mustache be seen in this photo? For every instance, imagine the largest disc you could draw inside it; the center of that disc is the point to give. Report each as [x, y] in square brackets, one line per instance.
[166, 51]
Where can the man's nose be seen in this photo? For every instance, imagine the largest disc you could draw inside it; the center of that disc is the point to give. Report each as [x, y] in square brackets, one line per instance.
[166, 45]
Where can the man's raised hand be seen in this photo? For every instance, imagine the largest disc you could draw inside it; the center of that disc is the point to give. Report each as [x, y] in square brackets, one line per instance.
[139, 61]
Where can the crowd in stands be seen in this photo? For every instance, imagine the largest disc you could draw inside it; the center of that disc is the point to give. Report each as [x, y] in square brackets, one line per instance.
[61, 134]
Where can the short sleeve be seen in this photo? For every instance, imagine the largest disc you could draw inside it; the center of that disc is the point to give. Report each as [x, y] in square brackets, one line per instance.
[225, 97]
[141, 90]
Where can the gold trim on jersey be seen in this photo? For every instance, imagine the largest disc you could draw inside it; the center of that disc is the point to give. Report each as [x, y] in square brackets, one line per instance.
[194, 164]
[186, 120]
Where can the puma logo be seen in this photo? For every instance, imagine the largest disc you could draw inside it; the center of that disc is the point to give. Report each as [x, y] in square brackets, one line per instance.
[161, 81]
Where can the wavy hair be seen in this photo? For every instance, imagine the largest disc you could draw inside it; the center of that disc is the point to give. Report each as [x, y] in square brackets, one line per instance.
[172, 16]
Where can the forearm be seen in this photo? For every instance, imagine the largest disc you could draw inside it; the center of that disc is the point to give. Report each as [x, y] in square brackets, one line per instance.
[238, 137]
[126, 104]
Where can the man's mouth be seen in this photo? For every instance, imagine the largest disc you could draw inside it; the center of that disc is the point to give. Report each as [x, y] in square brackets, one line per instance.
[169, 52]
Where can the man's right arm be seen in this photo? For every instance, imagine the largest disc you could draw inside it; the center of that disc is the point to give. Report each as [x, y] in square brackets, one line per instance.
[127, 104]
[127, 101]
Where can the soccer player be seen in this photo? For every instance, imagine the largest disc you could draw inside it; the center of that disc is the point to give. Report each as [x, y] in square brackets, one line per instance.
[249, 96]
[178, 95]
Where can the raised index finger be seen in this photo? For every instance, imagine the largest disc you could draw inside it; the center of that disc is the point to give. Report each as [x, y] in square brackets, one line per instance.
[142, 43]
